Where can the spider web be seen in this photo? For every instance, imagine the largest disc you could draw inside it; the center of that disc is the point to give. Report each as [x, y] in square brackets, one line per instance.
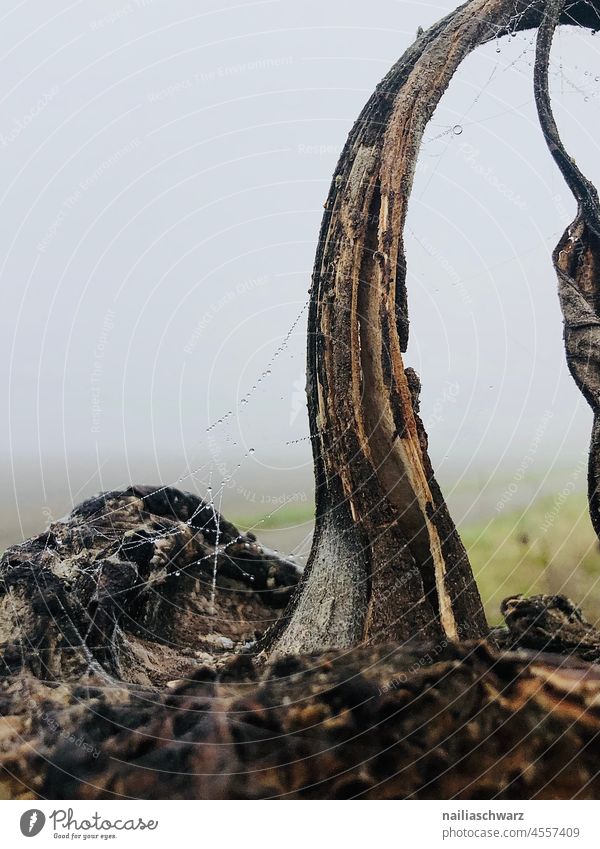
[578, 80]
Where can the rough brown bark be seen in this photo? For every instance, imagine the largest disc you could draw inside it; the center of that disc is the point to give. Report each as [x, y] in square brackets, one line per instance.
[99, 612]
[400, 567]
[122, 589]
[87, 709]
[576, 261]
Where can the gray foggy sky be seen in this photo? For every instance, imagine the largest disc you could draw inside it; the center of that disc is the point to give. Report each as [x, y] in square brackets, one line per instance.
[163, 169]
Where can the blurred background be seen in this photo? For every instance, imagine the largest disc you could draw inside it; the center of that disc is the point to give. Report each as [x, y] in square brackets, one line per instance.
[163, 172]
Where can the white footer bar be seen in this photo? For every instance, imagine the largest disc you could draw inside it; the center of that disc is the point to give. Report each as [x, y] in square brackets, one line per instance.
[288, 824]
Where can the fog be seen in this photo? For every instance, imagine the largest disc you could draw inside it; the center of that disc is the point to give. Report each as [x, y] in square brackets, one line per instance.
[163, 172]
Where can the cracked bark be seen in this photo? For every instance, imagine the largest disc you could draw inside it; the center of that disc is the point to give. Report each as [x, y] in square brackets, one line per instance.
[576, 261]
[101, 611]
[387, 561]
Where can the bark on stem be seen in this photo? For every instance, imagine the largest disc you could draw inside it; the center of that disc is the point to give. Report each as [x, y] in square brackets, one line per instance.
[386, 561]
[576, 260]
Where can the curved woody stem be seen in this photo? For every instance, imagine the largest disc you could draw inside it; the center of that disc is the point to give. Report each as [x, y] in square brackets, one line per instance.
[387, 562]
